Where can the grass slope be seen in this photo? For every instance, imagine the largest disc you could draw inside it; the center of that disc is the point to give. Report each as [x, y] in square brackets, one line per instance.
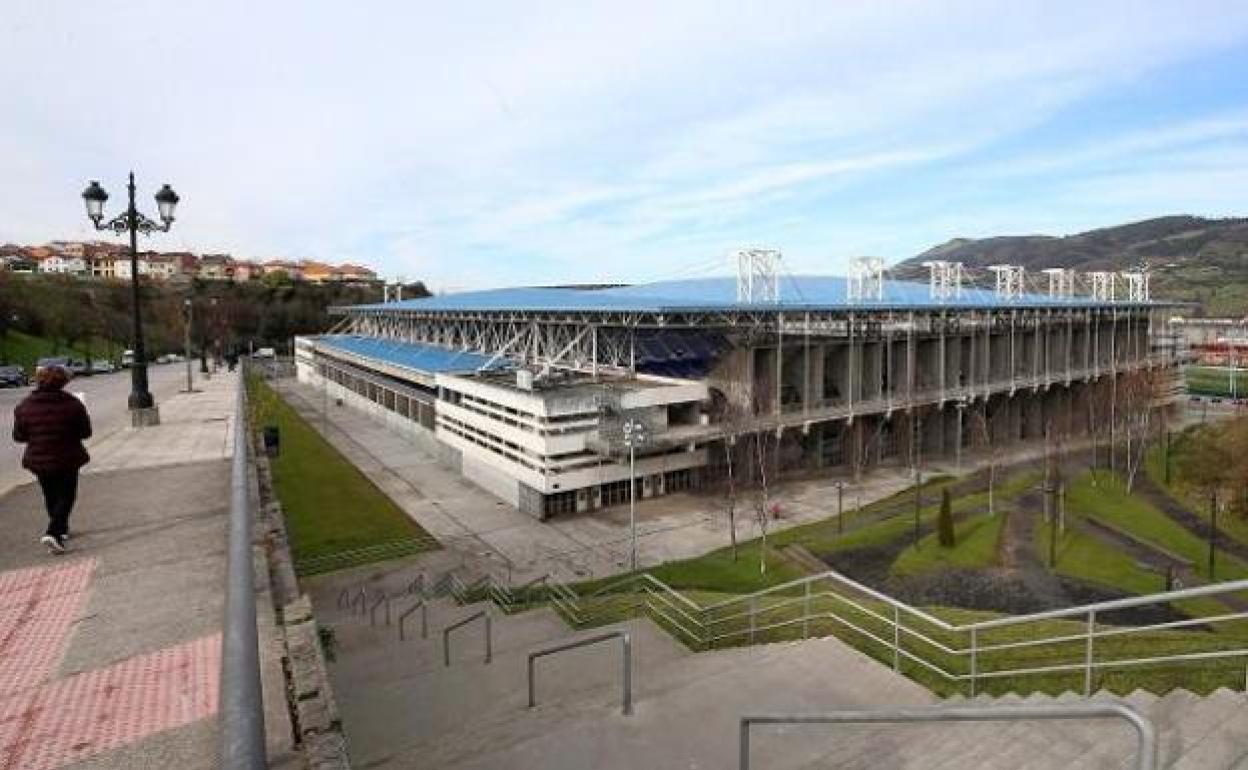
[1109, 501]
[23, 349]
[331, 507]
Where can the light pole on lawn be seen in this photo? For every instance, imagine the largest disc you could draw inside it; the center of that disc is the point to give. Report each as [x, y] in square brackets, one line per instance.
[143, 410]
[634, 436]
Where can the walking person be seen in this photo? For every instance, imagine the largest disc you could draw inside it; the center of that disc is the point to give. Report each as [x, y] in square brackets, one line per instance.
[53, 424]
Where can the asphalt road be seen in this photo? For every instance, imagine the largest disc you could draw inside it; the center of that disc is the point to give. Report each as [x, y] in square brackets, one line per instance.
[105, 397]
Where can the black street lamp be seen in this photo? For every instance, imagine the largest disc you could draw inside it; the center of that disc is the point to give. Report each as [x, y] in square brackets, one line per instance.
[143, 409]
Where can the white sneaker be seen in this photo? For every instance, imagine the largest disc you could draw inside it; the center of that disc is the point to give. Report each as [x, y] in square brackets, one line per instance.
[55, 547]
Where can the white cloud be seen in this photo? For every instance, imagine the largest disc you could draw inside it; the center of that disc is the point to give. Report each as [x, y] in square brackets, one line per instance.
[555, 141]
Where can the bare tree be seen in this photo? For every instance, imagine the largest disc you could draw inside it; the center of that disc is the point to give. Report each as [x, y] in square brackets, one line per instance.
[1141, 403]
[983, 422]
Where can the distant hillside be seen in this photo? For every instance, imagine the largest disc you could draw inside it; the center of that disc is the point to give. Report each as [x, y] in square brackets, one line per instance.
[1192, 259]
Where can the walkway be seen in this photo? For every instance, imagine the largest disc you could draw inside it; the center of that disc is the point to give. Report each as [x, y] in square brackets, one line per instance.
[110, 655]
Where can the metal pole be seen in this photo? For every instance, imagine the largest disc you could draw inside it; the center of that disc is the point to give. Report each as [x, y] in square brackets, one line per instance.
[242, 718]
[632, 506]
[140, 396]
[628, 675]
[974, 659]
[1087, 655]
[896, 638]
[186, 343]
[806, 612]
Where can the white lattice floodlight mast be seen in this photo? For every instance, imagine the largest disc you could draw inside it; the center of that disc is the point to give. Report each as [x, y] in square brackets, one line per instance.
[1009, 280]
[866, 279]
[1061, 282]
[1137, 286]
[944, 280]
[758, 275]
[1102, 285]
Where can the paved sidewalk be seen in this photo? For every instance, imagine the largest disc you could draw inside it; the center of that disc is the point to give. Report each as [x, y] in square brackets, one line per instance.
[110, 655]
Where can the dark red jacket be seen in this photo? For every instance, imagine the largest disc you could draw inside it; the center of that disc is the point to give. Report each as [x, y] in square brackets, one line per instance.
[52, 424]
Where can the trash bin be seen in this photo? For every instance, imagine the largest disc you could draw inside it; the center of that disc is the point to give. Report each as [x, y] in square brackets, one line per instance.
[272, 441]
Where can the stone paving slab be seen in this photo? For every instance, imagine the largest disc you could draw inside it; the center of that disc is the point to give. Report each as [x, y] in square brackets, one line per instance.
[113, 653]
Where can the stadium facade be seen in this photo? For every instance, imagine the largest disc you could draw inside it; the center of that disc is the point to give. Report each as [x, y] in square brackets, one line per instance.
[526, 391]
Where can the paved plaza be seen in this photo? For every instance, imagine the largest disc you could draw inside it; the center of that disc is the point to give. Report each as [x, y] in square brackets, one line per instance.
[110, 655]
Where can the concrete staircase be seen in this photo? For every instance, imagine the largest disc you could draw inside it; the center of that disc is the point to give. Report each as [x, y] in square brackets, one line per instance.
[402, 708]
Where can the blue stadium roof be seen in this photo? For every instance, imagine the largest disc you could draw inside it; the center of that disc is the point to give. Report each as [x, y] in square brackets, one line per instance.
[410, 355]
[807, 292]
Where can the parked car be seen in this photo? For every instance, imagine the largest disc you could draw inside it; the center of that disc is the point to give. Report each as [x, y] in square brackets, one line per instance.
[79, 368]
[127, 358]
[13, 377]
[53, 361]
[103, 366]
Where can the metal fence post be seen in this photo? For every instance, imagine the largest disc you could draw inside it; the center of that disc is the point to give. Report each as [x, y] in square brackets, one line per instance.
[489, 639]
[896, 638]
[806, 612]
[628, 675]
[753, 610]
[974, 658]
[1087, 655]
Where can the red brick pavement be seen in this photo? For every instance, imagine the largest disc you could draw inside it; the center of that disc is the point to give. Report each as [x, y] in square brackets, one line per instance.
[46, 723]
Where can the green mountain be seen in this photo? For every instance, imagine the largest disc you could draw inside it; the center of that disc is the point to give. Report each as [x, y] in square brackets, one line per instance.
[1192, 259]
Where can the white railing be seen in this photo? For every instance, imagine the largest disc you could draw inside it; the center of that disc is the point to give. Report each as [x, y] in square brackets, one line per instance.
[1070, 641]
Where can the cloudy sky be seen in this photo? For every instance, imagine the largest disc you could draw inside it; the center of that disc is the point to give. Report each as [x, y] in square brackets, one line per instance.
[481, 144]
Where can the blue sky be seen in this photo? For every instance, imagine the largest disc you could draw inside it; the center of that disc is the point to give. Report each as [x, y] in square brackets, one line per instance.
[539, 142]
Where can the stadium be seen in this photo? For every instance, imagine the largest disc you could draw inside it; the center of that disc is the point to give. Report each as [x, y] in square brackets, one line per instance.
[554, 398]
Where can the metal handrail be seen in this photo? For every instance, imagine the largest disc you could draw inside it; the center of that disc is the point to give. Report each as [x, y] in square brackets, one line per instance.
[372, 611]
[627, 646]
[424, 619]
[698, 623]
[446, 636]
[1146, 734]
[242, 713]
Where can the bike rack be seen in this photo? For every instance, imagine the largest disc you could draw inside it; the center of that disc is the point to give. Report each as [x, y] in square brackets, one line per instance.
[628, 662]
[446, 636]
[424, 619]
[1146, 734]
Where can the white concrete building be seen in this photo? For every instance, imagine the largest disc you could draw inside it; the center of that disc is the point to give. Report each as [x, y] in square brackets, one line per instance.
[525, 391]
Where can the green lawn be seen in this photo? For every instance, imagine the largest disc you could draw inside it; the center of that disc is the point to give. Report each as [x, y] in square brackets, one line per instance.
[335, 516]
[1109, 501]
[976, 548]
[1214, 381]
[1083, 557]
[716, 577]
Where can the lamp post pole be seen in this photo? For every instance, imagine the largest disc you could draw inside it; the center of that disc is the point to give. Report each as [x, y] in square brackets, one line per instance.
[634, 434]
[143, 409]
[186, 342]
[140, 395]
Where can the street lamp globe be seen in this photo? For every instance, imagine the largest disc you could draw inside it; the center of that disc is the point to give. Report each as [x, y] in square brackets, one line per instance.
[166, 202]
[94, 197]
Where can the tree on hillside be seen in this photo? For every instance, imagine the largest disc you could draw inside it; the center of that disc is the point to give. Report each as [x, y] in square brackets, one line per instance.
[1139, 396]
[944, 524]
[1206, 464]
